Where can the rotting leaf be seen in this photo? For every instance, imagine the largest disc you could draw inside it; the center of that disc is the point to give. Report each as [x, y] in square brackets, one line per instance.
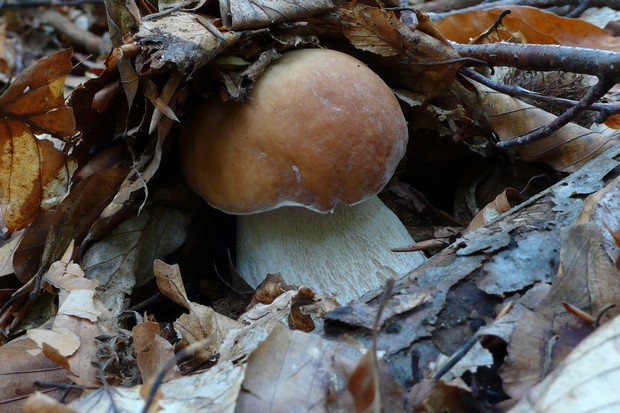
[180, 39]
[33, 173]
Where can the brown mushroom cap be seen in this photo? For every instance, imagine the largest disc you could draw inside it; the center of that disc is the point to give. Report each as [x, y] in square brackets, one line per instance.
[319, 128]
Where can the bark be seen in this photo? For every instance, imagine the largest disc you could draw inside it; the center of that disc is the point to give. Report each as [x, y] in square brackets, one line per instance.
[466, 284]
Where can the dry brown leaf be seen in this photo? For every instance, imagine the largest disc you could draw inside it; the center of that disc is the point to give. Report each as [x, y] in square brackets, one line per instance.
[430, 396]
[274, 374]
[153, 352]
[536, 25]
[19, 371]
[80, 317]
[170, 283]
[33, 173]
[41, 403]
[379, 31]
[371, 29]
[502, 203]
[214, 391]
[586, 381]
[364, 384]
[202, 323]
[565, 150]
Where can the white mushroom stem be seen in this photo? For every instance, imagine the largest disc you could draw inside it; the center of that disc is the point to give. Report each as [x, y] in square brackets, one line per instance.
[346, 252]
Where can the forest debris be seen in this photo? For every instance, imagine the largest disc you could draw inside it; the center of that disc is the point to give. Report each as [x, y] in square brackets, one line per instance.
[181, 39]
[246, 14]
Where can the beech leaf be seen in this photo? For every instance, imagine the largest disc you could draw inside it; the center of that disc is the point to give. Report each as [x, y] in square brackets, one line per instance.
[33, 173]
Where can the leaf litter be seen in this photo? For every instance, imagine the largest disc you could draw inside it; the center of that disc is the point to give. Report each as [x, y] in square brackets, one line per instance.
[135, 268]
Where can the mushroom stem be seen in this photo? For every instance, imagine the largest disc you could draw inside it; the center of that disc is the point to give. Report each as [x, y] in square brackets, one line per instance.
[346, 252]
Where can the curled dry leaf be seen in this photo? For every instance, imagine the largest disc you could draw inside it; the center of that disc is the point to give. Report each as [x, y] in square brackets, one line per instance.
[202, 323]
[33, 173]
[153, 352]
[80, 319]
[379, 31]
[247, 14]
[566, 150]
[502, 203]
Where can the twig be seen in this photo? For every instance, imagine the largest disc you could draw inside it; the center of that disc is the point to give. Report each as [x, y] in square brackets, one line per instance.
[456, 357]
[82, 38]
[494, 26]
[600, 63]
[581, 7]
[595, 93]
[517, 91]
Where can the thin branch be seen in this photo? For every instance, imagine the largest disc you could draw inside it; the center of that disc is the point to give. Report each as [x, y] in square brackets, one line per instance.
[517, 91]
[595, 93]
[542, 57]
[498, 22]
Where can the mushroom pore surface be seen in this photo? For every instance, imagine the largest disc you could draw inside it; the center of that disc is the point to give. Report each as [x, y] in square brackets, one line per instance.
[319, 128]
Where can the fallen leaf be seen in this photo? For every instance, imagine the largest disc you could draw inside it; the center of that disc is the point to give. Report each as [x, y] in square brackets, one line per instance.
[536, 25]
[41, 403]
[125, 258]
[565, 150]
[585, 381]
[202, 324]
[20, 370]
[33, 173]
[502, 203]
[153, 352]
[274, 376]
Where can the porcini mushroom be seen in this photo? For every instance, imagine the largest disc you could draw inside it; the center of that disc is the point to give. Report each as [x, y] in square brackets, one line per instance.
[321, 131]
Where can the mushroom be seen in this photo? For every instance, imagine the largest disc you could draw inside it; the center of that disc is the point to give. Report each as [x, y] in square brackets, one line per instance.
[301, 161]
